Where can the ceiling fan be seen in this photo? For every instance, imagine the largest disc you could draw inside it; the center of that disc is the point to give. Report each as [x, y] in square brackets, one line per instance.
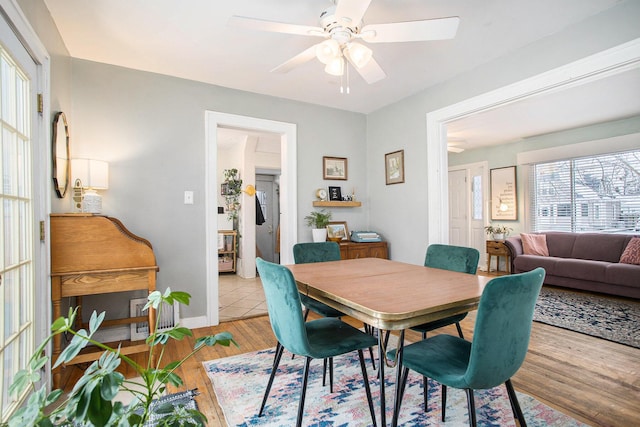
[341, 26]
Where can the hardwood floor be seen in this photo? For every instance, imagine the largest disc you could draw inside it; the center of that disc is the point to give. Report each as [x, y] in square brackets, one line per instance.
[593, 380]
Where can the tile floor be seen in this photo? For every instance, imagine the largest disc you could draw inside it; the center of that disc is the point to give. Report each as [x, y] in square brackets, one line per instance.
[240, 298]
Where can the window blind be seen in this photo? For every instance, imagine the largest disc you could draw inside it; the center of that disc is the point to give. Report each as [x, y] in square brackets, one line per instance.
[587, 194]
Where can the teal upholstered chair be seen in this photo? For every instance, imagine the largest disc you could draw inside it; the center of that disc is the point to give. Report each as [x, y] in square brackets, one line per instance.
[304, 253]
[500, 343]
[452, 258]
[322, 338]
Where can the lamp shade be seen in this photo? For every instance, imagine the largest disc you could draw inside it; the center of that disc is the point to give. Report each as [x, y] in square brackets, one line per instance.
[91, 173]
[335, 67]
[359, 55]
[327, 51]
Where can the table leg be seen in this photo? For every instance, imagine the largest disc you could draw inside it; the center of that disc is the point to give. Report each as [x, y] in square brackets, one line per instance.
[396, 403]
[381, 363]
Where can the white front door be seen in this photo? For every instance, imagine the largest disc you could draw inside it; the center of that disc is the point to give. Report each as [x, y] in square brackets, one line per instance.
[21, 263]
[458, 208]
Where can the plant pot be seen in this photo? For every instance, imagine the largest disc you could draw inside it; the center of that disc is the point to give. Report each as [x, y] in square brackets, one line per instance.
[319, 234]
[498, 236]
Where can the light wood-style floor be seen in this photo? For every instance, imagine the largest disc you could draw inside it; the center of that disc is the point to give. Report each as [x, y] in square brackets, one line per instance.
[594, 381]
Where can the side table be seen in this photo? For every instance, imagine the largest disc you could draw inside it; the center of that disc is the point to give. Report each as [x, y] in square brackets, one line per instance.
[498, 249]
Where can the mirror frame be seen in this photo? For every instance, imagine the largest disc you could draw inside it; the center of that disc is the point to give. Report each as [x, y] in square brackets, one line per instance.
[60, 175]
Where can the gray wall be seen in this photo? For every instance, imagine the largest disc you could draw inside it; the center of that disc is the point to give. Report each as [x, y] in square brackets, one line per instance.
[151, 130]
[400, 211]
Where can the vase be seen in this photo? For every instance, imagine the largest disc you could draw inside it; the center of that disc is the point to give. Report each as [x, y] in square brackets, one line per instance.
[498, 236]
[319, 234]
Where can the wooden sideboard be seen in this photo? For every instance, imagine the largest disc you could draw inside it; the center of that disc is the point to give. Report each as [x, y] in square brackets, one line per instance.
[91, 255]
[353, 250]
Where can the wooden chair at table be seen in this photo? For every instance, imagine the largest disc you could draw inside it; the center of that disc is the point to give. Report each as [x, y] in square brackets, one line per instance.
[322, 338]
[500, 342]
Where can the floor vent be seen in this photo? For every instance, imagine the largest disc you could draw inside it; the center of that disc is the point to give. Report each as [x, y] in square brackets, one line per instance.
[169, 317]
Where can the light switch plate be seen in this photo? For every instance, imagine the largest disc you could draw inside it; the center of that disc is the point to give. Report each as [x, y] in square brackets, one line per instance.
[188, 197]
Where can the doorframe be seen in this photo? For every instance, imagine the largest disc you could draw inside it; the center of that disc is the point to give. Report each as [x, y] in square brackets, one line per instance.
[594, 67]
[288, 193]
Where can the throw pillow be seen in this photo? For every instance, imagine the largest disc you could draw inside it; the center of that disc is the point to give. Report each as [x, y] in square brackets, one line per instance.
[631, 254]
[534, 244]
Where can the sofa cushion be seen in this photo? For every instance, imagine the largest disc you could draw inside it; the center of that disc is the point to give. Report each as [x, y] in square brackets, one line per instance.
[582, 269]
[623, 274]
[530, 262]
[534, 244]
[560, 244]
[631, 254]
[599, 247]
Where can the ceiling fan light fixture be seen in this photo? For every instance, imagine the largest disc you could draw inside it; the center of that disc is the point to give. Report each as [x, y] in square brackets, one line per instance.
[335, 67]
[327, 51]
[359, 54]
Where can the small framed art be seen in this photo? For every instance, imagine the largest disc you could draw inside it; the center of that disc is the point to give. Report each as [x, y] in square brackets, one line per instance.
[335, 193]
[394, 167]
[338, 229]
[334, 168]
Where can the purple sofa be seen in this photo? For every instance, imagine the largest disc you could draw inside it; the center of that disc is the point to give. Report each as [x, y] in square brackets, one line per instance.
[587, 261]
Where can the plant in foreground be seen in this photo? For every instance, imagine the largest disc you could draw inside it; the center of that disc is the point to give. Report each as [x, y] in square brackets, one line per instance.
[91, 402]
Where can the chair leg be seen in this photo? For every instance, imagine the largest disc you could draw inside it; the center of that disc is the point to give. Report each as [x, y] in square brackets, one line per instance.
[459, 330]
[513, 398]
[369, 330]
[303, 395]
[366, 387]
[330, 375]
[276, 362]
[443, 399]
[471, 404]
[402, 385]
[324, 372]
[425, 393]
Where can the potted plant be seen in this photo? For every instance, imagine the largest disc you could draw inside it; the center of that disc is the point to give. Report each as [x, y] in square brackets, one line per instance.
[232, 190]
[92, 400]
[498, 232]
[318, 221]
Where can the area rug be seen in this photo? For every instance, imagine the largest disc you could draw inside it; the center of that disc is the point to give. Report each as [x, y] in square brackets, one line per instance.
[240, 381]
[611, 318]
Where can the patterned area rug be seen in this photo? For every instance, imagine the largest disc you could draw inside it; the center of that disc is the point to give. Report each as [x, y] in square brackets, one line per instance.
[239, 383]
[611, 318]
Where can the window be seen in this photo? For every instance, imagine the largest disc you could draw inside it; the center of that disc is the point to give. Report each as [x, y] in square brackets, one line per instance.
[590, 194]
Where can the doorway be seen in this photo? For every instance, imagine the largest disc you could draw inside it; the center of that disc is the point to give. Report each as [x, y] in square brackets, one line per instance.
[468, 206]
[288, 197]
[267, 217]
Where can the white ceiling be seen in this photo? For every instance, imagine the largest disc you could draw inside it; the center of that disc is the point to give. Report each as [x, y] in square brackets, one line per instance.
[191, 40]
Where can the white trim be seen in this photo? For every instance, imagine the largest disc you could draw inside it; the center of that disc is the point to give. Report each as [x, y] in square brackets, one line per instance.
[581, 149]
[611, 61]
[288, 192]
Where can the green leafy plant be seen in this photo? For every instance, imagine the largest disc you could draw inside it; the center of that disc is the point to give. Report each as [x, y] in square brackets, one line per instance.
[498, 229]
[232, 192]
[91, 402]
[318, 219]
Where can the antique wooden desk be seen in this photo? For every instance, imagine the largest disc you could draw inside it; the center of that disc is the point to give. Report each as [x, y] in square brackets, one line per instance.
[97, 255]
[389, 295]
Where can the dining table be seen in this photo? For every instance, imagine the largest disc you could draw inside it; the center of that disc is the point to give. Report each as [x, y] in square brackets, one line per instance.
[389, 296]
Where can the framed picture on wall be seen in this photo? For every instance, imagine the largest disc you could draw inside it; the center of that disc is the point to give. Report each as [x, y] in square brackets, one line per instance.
[334, 168]
[504, 198]
[394, 167]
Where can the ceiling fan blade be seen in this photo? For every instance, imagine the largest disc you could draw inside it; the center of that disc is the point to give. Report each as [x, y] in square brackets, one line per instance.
[274, 27]
[371, 72]
[350, 12]
[430, 29]
[299, 59]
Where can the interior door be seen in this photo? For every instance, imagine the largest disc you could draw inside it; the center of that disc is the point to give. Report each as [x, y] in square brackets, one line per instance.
[458, 208]
[267, 202]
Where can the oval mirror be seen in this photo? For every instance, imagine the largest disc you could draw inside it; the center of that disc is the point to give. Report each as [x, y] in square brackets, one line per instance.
[60, 151]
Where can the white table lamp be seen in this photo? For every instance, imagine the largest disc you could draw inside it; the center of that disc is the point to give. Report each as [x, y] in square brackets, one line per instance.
[91, 175]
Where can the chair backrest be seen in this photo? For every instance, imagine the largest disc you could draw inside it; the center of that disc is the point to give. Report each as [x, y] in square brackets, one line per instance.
[304, 253]
[283, 304]
[452, 258]
[503, 328]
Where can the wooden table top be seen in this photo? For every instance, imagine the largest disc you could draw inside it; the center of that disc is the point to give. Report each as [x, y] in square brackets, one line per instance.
[389, 295]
